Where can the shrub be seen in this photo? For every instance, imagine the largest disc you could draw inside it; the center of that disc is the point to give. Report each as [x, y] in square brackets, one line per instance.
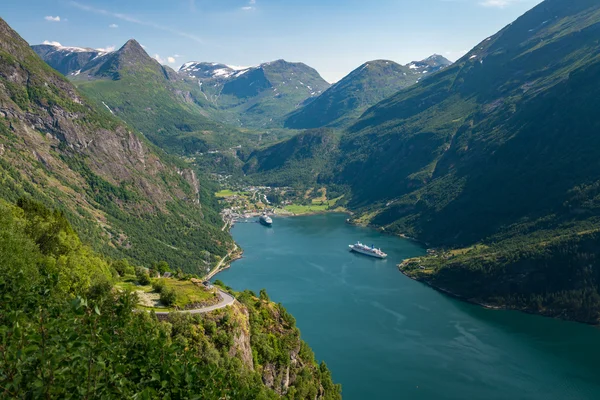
[121, 266]
[168, 296]
[161, 266]
[142, 276]
[159, 285]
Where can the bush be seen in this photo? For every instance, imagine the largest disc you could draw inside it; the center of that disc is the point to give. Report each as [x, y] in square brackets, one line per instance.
[161, 266]
[159, 285]
[122, 267]
[142, 276]
[168, 296]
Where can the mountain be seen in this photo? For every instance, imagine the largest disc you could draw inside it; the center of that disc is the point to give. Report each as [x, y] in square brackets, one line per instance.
[497, 150]
[124, 196]
[211, 71]
[494, 162]
[367, 85]
[82, 196]
[66, 60]
[168, 108]
[302, 159]
[259, 96]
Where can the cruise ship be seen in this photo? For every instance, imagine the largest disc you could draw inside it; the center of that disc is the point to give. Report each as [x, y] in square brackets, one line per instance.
[366, 250]
[265, 220]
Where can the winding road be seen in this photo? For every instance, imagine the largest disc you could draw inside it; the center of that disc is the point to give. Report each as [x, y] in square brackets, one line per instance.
[226, 300]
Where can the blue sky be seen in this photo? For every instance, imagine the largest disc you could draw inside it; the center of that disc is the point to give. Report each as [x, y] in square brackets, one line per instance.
[333, 36]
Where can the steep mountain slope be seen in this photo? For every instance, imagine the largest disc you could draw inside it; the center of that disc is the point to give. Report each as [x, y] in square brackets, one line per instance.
[367, 85]
[257, 96]
[123, 197]
[303, 159]
[494, 159]
[168, 108]
[498, 148]
[66, 60]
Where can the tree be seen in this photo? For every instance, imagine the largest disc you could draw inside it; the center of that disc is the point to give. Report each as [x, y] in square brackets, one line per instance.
[263, 295]
[142, 276]
[122, 267]
[161, 266]
[168, 296]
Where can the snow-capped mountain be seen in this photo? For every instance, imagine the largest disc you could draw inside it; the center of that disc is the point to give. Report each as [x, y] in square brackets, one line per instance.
[204, 70]
[429, 65]
[260, 95]
[67, 60]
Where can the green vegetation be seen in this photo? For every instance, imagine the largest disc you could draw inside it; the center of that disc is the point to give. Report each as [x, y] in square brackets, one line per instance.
[184, 294]
[124, 197]
[226, 193]
[65, 333]
[301, 161]
[372, 82]
[142, 276]
[541, 273]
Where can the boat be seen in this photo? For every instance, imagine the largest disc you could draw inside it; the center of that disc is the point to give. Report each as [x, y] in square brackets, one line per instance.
[366, 250]
[265, 220]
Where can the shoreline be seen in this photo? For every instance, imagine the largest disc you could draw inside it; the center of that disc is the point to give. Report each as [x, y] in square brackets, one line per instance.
[452, 294]
[214, 273]
[495, 308]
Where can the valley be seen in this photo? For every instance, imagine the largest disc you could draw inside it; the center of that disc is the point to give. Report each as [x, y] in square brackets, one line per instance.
[130, 266]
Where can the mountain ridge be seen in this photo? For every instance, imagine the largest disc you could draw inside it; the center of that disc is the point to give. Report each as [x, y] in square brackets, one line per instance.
[365, 86]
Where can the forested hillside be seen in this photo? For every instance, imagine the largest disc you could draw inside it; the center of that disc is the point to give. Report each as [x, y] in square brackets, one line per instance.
[301, 160]
[124, 196]
[67, 333]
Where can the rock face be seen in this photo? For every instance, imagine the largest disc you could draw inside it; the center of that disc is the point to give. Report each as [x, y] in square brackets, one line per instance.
[265, 336]
[241, 339]
[66, 60]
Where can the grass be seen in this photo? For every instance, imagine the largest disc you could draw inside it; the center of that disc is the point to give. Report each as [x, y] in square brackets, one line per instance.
[299, 209]
[188, 293]
[225, 193]
[129, 283]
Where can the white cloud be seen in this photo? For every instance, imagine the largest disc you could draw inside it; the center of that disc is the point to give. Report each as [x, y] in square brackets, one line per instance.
[106, 49]
[133, 20]
[113, 26]
[52, 19]
[453, 55]
[52, 43]
[168, 60]
[251, 6]
[498, 3]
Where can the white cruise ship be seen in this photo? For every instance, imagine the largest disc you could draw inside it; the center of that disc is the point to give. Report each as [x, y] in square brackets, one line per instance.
[366, 250]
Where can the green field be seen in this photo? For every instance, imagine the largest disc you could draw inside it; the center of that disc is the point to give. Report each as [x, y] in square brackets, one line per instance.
[298, 209]
[225, 193]
[189, 293]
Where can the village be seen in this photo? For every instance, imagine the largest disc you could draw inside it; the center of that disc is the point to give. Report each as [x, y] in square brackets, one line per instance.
[241, 203]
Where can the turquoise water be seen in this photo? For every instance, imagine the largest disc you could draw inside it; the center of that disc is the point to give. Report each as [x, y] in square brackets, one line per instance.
[385, 336]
